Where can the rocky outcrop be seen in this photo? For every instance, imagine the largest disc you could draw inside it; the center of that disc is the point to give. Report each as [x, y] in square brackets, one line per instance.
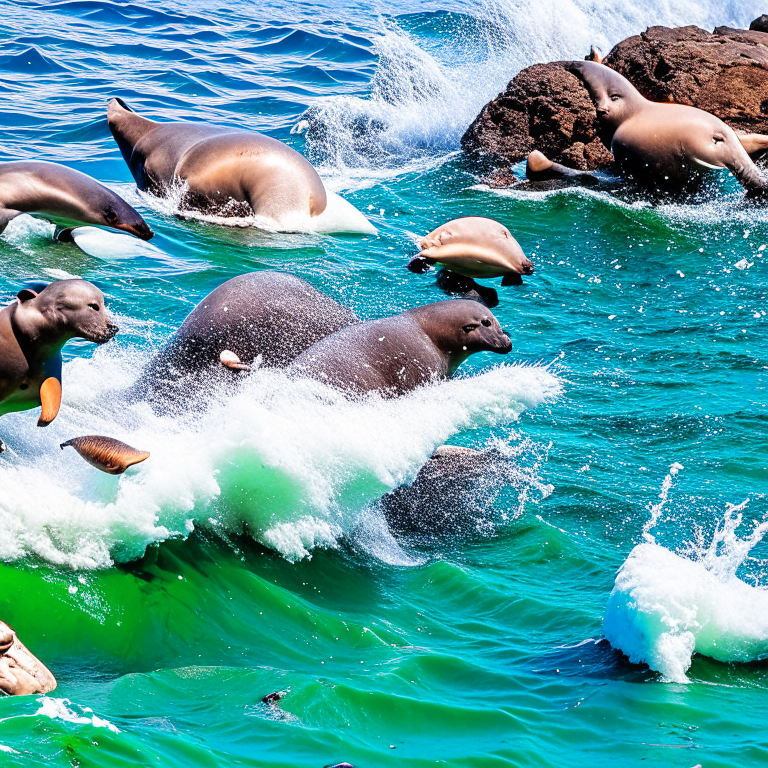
[545, 107]
[724, 72]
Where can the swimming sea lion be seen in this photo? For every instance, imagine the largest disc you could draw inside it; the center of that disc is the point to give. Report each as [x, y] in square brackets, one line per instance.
[65, 196]
[663, 147]
[268, 315]
[227, 172]
[21, 673]
[33, 329]
[397, 354]
[475, 247]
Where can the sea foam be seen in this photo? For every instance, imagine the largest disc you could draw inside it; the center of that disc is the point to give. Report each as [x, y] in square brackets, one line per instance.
[293, 462]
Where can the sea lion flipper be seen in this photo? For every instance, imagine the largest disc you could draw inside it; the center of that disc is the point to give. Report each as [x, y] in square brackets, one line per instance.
[512, 279]
[230, 360]
[753, 142]
[50, 399]
[105, 453]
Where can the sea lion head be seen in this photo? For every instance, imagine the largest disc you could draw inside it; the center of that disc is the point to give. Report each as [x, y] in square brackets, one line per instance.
[114, 212]
[63, 310]
[461, 327]
[615, 98]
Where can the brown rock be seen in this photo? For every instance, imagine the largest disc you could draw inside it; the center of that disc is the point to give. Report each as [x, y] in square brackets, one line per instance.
[544, 107]
[724, 72]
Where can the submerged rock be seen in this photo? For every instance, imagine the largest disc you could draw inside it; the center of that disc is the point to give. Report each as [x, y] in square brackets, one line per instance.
[545, 107]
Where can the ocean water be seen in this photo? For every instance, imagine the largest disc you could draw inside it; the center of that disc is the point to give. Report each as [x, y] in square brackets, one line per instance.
[607, 607]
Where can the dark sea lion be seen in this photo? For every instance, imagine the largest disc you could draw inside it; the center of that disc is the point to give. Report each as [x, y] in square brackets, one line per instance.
[21, 673]
[33, 330]
[451, 494]
[269, 316]
[663, 147]
[397, 354]
[65, 196]
[228, 172]
[105, 453]
[475, 247]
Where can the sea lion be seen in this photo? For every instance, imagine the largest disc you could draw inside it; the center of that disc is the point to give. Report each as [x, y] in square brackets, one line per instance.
[663, 147]
[267, 315]
[105, 453]
[394, 355]
[64, 195]
[21, 673]
[33, 329]
[223, 171]
[475, 247]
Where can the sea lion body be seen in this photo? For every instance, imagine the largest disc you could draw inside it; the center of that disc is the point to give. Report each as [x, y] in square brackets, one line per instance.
[21, 673]
[394, 355]
[476, 247]
[268, 315]
[33, 330]
[64, 195]
[664, 147]
[227, 172]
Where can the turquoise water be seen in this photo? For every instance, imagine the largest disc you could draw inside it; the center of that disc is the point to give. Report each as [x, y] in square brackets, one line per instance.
[165, 619]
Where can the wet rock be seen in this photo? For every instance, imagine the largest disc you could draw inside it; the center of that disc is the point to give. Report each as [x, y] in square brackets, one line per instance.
[544, 107]
[724, 72]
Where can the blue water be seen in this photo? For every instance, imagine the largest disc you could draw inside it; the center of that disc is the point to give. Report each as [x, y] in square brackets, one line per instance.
[160, 616]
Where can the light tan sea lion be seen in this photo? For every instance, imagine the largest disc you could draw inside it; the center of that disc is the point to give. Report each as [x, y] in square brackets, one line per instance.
[228, 172]
[21, 673]
[105, 453]
[33, 330]
[396, 354]
[663, 147]
[475, 247]
[64, 195]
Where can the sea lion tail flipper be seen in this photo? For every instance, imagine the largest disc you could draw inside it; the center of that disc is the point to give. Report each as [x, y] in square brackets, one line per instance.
[105, 453]
[50, 399]
[753, 143]
[232, 361]
[539, 167]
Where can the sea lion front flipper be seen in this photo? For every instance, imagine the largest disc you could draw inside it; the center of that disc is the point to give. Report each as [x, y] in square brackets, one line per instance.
[420, 264]
[105, 453]
[753, 143]
[231, 360]
[50, 399]
[512, 279]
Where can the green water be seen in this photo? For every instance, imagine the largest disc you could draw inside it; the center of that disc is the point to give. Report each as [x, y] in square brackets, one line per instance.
[165, 623]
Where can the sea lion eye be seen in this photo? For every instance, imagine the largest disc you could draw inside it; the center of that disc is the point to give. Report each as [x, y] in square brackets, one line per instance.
[615, 97]
[486, 323]
[469, 328]
[717, 139]
[110, 216]
[94, 307]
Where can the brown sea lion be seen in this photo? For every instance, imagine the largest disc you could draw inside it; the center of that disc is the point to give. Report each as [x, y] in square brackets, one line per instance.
[397, 354]
[475, 247]
[21, 673]
[227, 172]
[64, 195]
[33, 329]
[663, 147]
[267, 316]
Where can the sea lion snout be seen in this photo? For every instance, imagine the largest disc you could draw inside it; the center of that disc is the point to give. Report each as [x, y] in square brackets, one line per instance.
[142, 230]
[527, 266]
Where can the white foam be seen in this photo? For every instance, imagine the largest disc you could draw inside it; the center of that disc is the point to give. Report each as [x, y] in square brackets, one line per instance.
[294, 460]
[61, 709]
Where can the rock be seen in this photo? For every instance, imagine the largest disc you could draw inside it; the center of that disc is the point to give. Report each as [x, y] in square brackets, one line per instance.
[544, 107]
[724, 72]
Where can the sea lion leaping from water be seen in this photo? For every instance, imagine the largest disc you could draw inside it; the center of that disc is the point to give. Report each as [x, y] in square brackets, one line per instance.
[227, 172]
[33, 329]
[396, 354]
[64, 195]
[663, 147]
